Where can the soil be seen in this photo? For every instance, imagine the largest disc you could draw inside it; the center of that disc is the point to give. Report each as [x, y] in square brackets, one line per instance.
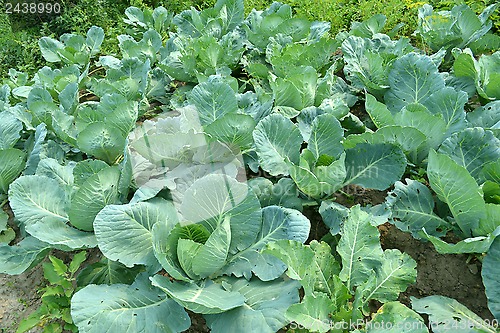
[455, 276]
[18, 298]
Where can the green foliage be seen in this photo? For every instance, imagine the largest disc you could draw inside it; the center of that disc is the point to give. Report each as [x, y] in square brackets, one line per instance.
[270, 92]
[54, 315]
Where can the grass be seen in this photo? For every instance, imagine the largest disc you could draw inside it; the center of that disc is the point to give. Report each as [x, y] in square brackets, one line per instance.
[20, 32]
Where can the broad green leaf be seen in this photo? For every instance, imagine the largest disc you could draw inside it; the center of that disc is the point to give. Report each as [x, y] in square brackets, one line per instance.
[277, 223]
[394, 317]
[128, 309]
[375, 166]
[359, 248]
[369, 27]
[446, 312]
[491, 277]
[41, 106]
[57, 232]
[33, 198]
[233, 129]
[409, 139]
[313, 313]
[18, 258]
[85, 169]
[107, 272]
[102, 140]
[297, 89]
[396, 272]
[432, 126]
[213, 254]
[187, 250]
[484, 71]
[216, 196]
[312, 265]
[487, 116]
[333, 215]
[413, 79]
[206, 298]
[320, 179]
[479, 244]
[95, 37]
[93, 195]
[213, 100]
[448, 104]
[12, 162]
[263, 310]
[284, 193]
[490, 222]
[124, 231]
[277, 142]
[62, 173]
[379, 113]
[232, 12]
[9, 130]
[165, 247]
[472, 148]
[326, 137]
[50, 49]
[464, 198]
[369, 60]
[412, 207]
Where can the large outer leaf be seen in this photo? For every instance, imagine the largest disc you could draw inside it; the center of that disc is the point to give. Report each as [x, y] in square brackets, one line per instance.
[264, 308]
[472, 148]
[33, 198]
[12, 162]
[379, 113]
[277, 142]
[326, 137]
[419, 117]
[397, 272]
[213, 100]
[58, 232]
[448, 104]
[313, 313]
[375, 166]
[34, 155]
[313, 266]
[233, 129]
[479, 244]
[107, 272]
[463, 197]
[62, 173]
[297, 89]
[277, 223]
[9, 130]
[206, 298]
[412, 207]
[359, 248]
[446, 313]
[124, 231]
[322, 179]
[102, 140]
[98, 191]
[128, 309]
[20, 257]
[413, 79]
[487, 116]
[491, 277]
[234, 12]
[213, 254]
[394, 317]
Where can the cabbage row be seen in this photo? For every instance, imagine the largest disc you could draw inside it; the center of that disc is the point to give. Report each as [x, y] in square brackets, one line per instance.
[188, 161]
